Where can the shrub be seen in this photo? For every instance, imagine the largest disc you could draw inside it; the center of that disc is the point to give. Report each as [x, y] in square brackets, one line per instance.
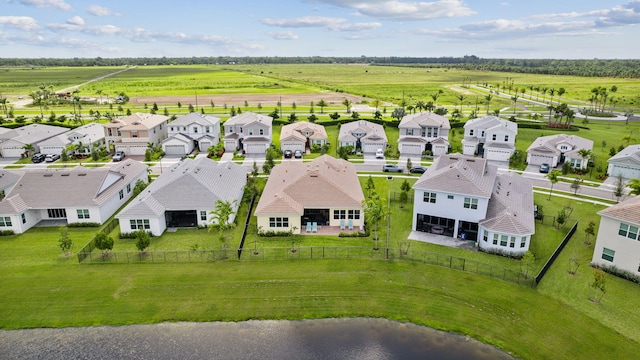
[272, 233]
[354, 234]
[6, 232]
[83, 224]
[613, 270]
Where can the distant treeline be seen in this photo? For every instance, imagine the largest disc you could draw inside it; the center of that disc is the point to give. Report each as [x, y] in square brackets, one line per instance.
[594, 67]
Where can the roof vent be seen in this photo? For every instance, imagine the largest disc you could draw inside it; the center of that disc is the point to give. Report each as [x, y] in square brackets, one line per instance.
[65, 174]
[82, 174]
[48, 175]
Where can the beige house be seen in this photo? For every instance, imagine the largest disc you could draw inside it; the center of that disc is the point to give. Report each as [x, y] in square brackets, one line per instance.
[363, 135]
[558, 149]
[133, 134]
[618, 241]
[422, 132]
[302, 135]
[248, 132]
[300, 197]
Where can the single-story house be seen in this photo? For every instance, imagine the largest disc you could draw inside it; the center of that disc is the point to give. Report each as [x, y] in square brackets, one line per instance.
[557, 149]
[184, 195]
[32, 134]
[302, 135]
[365, 136]
[625, 163]
[87, 137]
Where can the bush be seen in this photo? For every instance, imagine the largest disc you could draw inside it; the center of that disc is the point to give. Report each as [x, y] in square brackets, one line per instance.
[6, 232]
[132, 235]
[355, 234]
[83, 224]
[613, 270]
[272, 233]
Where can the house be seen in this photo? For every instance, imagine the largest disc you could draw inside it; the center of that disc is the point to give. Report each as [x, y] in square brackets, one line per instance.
[133, 134]
[464, 197]
[184, 195]
[65, 196]
[248, 132]
[625, 163]
[84, 138]
[301, 136]
[618, 239]
[33, 134]
[557, 149]
[7, 180]
[422, 132]
[363, 135]
[490, 137]
[325, 192]
[192, 131]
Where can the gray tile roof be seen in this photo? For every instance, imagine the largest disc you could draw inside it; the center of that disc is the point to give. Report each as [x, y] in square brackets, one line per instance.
[628, 211]
[491, 122]
[188, 185]
[249, 117]
[547, 144]
[510, 207]
[76, 187]
[459, 174]
[195, 118]
[631, 152]
[8, 178]
[88, 134]
[35, 133]
[424, 119]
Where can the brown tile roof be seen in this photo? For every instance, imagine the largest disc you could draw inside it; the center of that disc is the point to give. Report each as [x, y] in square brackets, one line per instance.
[322, 183]
[510, 208]
[628, 210]
[297, 130]
[459, 174]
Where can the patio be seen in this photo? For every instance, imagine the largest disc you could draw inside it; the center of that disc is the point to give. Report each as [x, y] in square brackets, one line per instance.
[329, 230]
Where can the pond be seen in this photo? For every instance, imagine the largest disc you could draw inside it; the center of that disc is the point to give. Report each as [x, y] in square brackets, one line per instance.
[358, 338]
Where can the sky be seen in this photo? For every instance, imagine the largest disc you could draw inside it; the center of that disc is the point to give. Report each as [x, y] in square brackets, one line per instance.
[560, 29]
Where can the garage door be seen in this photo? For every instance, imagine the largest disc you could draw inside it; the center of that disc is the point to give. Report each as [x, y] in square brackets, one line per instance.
[539, 159]
[11, 152]
[204, 145]
[255, 148]
[371, 148]
[626, 172]
[174, 150]
[411, 149]
[291, 146]
[500, 155]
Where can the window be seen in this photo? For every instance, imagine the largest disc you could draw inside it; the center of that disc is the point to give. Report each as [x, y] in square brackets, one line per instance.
[485, 235]
[429, 197]
[503, 240]
[57, 213]
[513, 242]
[624, 229]
[128, 188]
[207, 129]
[230, 129]
[83, 213]
[471, 132]
[608, 254]
[138, 224]
[523, 241]
[134, 133]
[409, 131]
[354, 214]
[119, 133]
[470, 203]
[5, 221]
[203, 215]
[250, 132]
[121, 194]
[279, 222]
[171, 128]
[563, 147]
[339, 214]
[450, 197]
[435, 132]
[261, 131]
[195, 129]
[633, 232]
[495, 239]
[110, 131]
[241, 130]
[423, 132]
[482, 134]
[24, 218]
[629, 231]
[494, 137]
[506, 138]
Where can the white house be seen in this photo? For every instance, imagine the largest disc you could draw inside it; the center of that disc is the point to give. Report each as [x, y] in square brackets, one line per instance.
[462, 196]
[248, 132]
[422, 132]
[490, 137]
[33, 134]
[557, 149]
[133, 134]
[7, 180]
[324, 192]
[625, 163]
[90, 136]
[365, 136]
[184, 195]
[618, 240]
[70, 195]
[302, 135]
[192, 131]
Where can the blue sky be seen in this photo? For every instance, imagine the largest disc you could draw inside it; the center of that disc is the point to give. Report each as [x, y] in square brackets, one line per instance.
[568, 29]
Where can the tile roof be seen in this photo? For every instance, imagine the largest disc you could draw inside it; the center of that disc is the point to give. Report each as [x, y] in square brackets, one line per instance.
[8, 178]
[249, 117]
[322, 183]
[491, 122]
[142, 121]
[187, 185]
[374, 132]
[35, 133]
[76, 187]
[510, 208]
[628, 210]
[88, 134]
[546, 144]
[631, 152]
[422, 119]
[297, 131]
[459, 174]
[195, 118]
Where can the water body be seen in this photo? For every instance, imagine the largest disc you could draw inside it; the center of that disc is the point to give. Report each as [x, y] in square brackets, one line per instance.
[370, 339]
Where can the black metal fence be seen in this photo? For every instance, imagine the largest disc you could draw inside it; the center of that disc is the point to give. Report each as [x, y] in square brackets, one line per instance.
[557, 252]
[246, 226]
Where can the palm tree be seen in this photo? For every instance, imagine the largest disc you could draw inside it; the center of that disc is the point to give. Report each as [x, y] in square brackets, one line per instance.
[28, 149]
[515, 101]
[435, 97]
[584, 154]
[488, 99]
[552, 92]
[429, 106]
[553, 176]
[634, 185]
[375, 103]
[420, 105]
[347, 103]
[544, 93]
[460, 97]
[222, 211]
[99, 93]
[322, 105]
[3, 104]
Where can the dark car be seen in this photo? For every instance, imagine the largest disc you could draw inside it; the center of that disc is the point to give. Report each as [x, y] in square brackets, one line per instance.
[391, 168]
[297, 154]
[418, 170]
[118, 156]
[544, 168]
[52, 157]
[38, 158]
[288, 154]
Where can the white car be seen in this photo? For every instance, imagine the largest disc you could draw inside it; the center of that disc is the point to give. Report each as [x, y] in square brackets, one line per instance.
[379, 154]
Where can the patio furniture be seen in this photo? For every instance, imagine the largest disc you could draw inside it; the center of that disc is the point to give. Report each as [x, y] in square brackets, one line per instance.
[308, 226]
[314, 227]
[350, 224]
[341, 224]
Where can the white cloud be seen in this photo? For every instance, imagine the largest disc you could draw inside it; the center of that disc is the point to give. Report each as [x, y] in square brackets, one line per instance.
[24, 23]
[283, 35]
[77, 24]
[405, 10]
[76, 20]
[334, 24]
[98, 10]
[59, 4]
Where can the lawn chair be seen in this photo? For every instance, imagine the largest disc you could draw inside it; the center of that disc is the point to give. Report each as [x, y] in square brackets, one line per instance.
[314, 227]
[350, 224]
[308, 226]
[341, 224]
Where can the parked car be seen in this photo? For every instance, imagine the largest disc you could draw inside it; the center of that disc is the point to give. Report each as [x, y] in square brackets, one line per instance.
[391, 168]
[288, 154]
[38, 158]
[118, 156]
[52, 157]
[418, 170]
[379, 154]
[297, 154]
[544, 168]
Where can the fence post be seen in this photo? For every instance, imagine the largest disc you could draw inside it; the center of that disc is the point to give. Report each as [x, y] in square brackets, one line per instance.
[463, 262]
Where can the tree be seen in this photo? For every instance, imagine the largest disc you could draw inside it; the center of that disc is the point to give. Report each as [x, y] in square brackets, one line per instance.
[589, 231]
[322, 105]
[553, 176]
[143, 240]
[527, 260]
[355, 115]
[28, 149]
[254, 169]
[599, 283]
[435, 96]
[191, 109]
[634, 185]
[292, 118]
[374, 211]
[345, 151]
[370, 188]
[334, 116]
[103, 242]
[268, 162]
[347, 103]
[64, 241]
[488, 100]
[222, 211]
[398, 113]
[618, 190]
[515, 102]
[574, 259]
[561, 218]
[409, 164]
[404, 197]
[139, 187]
[575, 185]
[461, 98]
